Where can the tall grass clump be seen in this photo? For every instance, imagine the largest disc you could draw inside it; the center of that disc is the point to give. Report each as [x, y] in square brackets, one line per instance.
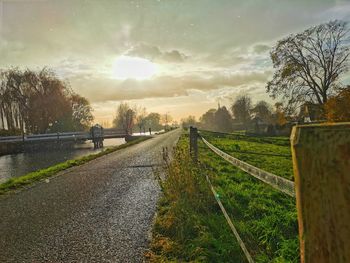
[189, 226]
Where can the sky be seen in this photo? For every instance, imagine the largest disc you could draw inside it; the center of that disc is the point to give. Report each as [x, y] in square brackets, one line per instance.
[179, 57]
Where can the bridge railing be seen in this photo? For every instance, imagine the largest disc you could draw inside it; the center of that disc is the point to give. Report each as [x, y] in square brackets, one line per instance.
[62, 136]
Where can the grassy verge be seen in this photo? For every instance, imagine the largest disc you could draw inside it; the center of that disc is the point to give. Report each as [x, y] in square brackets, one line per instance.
[272, 154]
[190, 227]
[18, 182]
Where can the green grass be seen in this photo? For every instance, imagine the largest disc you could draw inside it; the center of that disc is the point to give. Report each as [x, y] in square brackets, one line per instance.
[190, 226]
[19, 182]
[272, 154]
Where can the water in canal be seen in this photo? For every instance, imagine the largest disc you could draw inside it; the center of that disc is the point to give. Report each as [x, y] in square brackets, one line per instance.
[19, 164]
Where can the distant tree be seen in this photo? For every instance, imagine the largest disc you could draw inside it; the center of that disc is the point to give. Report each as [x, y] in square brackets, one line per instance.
[77, 116]
[152, 121]
[48, 102]
[309, 64]
[13, 99]
[280, 116]
[81, 112]
[223, 120]
[38, 102]
[141, 118]
[241, 108]
[207, 120]
[189, 121]
[263, 110]
[338, 107]
[166, 119]
[125, 117]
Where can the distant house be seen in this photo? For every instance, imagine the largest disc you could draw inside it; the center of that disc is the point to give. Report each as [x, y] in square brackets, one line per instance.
[311, 112]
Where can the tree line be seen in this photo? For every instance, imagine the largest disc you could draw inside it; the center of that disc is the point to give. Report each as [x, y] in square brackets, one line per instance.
[264, 117]
[39, 102]
[241, 115]
[136, 119]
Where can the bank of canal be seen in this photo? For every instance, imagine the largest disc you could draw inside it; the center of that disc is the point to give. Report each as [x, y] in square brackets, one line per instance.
[15, 165]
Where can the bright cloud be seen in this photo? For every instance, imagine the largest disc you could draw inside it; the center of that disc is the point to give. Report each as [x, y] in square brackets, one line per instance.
[126, 67]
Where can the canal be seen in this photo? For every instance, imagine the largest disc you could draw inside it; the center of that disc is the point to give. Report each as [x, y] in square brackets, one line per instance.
[22, 163]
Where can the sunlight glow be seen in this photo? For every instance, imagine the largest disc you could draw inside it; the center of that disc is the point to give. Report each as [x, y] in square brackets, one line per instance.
[125, 67]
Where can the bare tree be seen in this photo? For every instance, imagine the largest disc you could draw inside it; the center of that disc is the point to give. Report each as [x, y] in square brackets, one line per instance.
[166, 119]
[309, 64]
[81, 112]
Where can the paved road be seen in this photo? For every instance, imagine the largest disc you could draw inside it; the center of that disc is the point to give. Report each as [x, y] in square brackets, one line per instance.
[101, 211]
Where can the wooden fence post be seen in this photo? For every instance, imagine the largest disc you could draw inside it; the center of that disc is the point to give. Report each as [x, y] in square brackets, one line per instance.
[194, 143]
[321, 163]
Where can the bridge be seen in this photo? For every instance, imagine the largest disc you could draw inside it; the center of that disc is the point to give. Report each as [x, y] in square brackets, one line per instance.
[64, 136]
[14, 144]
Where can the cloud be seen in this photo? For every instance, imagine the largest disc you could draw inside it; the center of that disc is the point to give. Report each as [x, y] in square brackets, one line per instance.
[155, 54]
[341, 10]
[173, 56]
[260, 48]
[102, 89]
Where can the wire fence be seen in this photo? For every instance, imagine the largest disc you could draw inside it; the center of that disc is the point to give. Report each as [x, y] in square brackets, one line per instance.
[275, 181]
[229, 222]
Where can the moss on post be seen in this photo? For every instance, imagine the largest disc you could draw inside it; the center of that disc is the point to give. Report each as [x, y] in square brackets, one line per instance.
[321, 160]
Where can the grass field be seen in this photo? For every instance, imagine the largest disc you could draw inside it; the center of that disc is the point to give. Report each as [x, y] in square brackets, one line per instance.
[272, 154]
[190, 226]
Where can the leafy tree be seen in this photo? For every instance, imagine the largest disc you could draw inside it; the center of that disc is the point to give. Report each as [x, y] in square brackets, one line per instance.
[241, 109]
[47, 102]
[338, 107]
[189, 121]
[141, 119]
[309, 64]
[263, 110]
[223, 120]
[12, 99]
[280, 116]
[38, 102]
[125, 117]
[207, 120]
[152, 121]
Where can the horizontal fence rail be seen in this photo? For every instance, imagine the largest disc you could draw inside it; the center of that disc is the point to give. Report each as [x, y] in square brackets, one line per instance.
[277, 182]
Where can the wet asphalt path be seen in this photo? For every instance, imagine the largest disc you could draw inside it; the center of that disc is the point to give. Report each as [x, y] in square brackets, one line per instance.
[101, 211]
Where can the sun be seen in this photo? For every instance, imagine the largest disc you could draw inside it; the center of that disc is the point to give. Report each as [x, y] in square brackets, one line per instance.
[125, 67]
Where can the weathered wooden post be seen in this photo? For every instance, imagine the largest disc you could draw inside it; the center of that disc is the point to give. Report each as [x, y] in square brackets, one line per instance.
[321, 160]
[194, 143]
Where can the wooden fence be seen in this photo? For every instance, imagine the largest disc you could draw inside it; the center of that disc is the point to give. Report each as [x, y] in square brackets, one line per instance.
[321, 163]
